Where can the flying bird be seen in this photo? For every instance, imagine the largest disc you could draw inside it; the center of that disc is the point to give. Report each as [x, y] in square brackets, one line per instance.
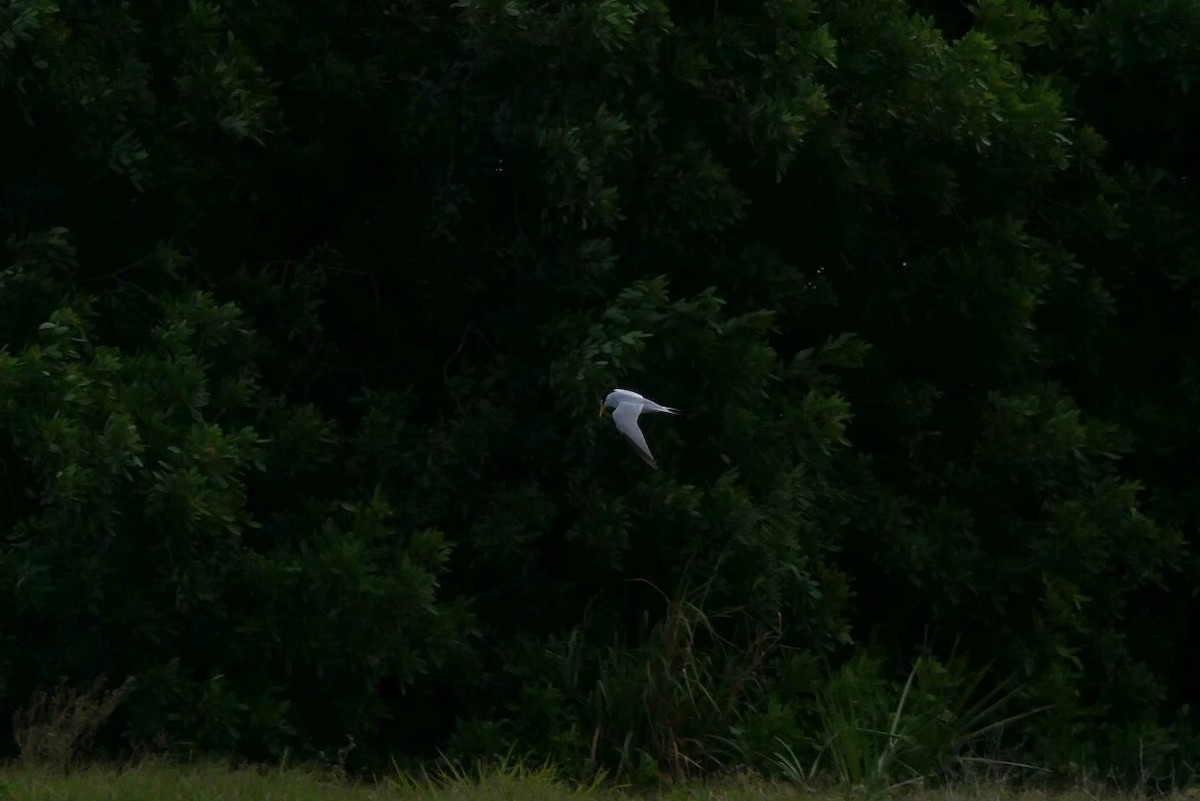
[627, 406]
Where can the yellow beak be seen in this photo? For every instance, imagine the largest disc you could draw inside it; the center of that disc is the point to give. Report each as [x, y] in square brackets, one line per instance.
[603, 409]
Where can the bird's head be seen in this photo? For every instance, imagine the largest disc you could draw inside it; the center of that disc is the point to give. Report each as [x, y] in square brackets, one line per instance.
[609, 402]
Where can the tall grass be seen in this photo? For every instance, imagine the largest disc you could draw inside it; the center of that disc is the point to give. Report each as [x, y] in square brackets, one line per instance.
[55, 729]
[160, 781]
[703, 692]
[876, 739]
[664, 708]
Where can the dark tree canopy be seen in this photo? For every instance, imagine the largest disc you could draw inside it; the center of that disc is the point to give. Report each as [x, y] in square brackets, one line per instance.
[306, 309]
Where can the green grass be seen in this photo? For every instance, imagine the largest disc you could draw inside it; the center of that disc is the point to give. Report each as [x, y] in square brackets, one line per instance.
[160, 781]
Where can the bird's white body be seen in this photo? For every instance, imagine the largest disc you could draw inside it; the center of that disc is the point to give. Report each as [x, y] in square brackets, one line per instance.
[627, 406]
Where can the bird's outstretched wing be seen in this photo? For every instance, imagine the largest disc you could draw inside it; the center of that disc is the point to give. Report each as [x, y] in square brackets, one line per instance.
[625, 416]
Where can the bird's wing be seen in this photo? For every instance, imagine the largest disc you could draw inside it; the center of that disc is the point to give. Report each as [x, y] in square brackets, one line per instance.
[626, 416]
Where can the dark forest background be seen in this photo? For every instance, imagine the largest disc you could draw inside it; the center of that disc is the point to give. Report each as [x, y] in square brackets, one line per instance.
[306, 310]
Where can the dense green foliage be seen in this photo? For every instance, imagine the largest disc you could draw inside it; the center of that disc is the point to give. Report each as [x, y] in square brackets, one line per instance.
[306, 310]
